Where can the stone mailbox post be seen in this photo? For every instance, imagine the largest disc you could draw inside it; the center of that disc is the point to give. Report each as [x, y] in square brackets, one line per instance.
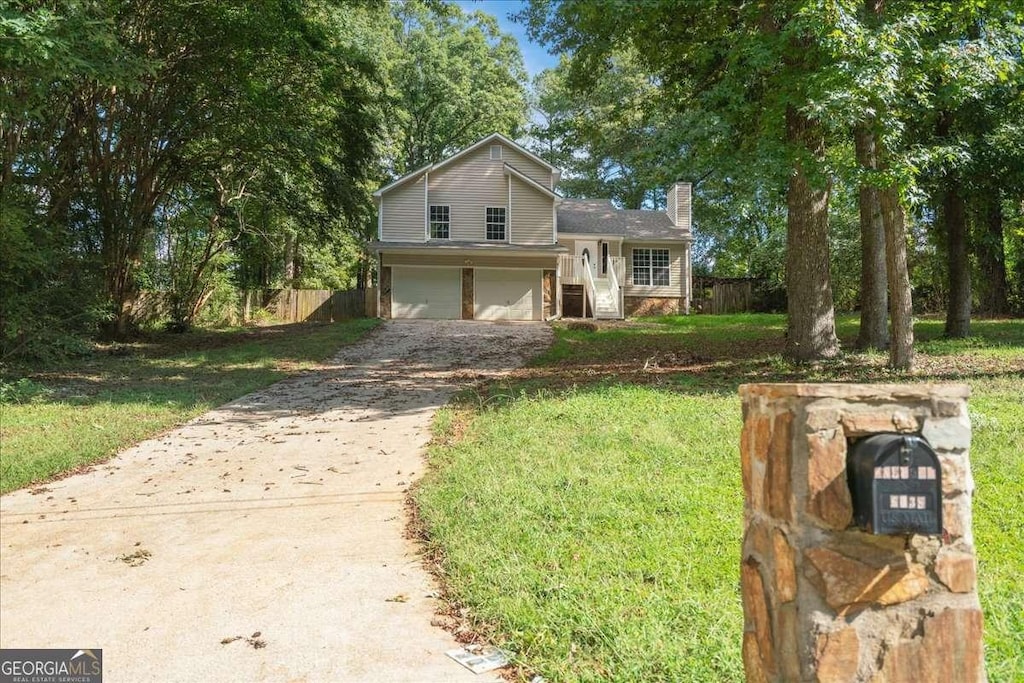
[826, 598]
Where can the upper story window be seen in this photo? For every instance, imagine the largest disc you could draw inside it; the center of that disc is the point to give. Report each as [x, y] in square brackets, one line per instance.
[440, 222]
[495, 152]
[650, 267]
[496, 222]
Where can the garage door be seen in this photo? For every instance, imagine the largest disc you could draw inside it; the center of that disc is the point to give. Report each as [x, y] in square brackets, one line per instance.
[507, 294]
[426, 293]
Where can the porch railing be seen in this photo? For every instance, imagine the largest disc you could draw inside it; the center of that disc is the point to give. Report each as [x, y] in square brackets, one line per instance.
[588, 281]
[613, 286]
[570, 268]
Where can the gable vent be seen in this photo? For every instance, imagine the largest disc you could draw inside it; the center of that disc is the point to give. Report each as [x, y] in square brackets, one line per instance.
[495, 152]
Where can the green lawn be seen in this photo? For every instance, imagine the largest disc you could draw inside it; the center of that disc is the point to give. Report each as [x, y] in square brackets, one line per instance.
[60, 418]
[588, 511]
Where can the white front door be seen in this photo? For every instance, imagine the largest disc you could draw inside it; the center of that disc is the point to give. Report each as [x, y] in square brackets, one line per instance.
[588, 248]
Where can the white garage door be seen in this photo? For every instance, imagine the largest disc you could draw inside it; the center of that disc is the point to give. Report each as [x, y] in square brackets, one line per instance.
[426, 293]
[507, 294]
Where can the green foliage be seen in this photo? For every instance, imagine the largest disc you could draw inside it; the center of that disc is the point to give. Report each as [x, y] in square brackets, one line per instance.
[589, 516]
[701, 92]
[180, 147]
[22, 390]
[453, 79]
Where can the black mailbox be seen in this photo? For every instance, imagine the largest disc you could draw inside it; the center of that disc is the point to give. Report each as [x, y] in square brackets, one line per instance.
[896, 485]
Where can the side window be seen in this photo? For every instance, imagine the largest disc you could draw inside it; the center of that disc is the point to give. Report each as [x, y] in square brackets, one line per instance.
[495, 218]
[642, 267]
[651, 267]
[659, 267]
[440, 222]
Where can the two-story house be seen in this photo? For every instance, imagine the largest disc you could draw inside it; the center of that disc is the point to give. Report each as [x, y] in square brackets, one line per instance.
[483, 235]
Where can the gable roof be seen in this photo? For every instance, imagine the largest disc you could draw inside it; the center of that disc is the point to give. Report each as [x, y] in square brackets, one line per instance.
[463, 152]
[600, 217]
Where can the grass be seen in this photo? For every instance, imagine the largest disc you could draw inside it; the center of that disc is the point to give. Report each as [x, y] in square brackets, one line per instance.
[58, 419]
[587, 512]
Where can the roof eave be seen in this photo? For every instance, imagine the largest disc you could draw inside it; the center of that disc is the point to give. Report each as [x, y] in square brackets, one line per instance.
[512, 170]
[403, 179]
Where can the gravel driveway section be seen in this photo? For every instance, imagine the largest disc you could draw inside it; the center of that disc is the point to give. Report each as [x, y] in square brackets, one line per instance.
[262, 541]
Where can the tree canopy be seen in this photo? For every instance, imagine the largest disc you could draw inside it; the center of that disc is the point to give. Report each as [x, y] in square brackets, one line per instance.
[198, 148]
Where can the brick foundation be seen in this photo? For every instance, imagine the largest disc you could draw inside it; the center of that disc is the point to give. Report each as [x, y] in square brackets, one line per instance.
[823, 600]
[651, 305]
[468, 308]
[385, 293]
[549, 294]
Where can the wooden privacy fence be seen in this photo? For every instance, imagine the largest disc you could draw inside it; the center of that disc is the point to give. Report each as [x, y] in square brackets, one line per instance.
[723, 294]
[315, 305]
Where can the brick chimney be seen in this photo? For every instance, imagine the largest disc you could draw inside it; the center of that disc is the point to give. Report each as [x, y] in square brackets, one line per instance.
[678, 205]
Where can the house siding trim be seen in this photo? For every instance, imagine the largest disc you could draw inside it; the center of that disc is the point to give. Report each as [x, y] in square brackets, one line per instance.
[491, 138]
[508, 211]
[530, 181]
[426, 206]
[408, 176]
[474, 260]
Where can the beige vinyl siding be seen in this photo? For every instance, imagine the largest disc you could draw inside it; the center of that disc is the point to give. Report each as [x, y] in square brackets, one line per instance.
[531, 215]
[675, 270]
[402, 210]
[528, 167]
[614, 246]
[468, 259]
[469, 185]
[683, 194]
[671, 202]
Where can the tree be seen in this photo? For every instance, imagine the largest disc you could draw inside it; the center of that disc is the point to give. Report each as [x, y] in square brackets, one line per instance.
[146, 116]
[745, 72]
[454, 78]
[874, 302]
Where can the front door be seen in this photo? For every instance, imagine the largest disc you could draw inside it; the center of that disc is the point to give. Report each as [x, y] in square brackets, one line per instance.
[588, 248]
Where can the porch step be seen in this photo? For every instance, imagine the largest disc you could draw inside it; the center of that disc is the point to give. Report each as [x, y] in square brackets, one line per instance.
[605, 305]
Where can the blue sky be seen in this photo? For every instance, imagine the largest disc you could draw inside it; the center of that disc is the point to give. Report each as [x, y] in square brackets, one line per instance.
[536, 57]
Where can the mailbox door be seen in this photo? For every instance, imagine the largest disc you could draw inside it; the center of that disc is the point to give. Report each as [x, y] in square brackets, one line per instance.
[896, 485]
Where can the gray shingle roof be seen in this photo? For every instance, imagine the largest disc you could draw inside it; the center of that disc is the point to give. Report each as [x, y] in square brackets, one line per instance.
[600, 217]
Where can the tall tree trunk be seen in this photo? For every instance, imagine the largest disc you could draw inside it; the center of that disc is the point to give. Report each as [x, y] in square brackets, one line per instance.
[992, 255]
[958, 311]
[811, 332]
[289, 259]
[874, 332]
[901, 309]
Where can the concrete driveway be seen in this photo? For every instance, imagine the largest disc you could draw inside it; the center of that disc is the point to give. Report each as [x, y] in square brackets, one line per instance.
[262, 541]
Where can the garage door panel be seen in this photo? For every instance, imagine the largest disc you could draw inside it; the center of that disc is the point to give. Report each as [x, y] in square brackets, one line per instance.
[434, 293]
[507, 294]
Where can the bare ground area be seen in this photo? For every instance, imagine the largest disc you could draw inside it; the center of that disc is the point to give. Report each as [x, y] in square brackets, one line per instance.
[264, 540]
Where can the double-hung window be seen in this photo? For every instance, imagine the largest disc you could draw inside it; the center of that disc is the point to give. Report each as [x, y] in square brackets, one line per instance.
[650, 267]
[440, 222]
[495, 223]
